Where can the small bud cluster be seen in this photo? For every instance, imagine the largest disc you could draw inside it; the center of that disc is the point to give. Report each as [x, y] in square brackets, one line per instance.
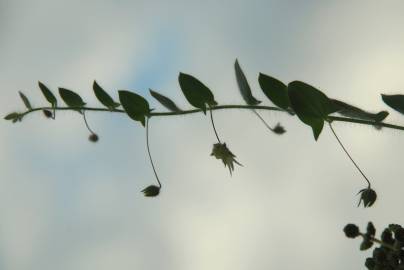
[389, 255]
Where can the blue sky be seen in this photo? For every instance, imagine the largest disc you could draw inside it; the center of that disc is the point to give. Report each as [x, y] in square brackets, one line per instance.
[69, 204]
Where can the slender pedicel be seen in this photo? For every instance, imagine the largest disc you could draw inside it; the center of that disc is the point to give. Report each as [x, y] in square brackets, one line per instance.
[346, 152]
[148, 151]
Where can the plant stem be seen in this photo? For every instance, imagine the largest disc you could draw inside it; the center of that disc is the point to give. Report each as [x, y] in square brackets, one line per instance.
[213, 125]
[346, 152]
[85, 121]
[263, 120]
[223, 107]
[375, 240]
[148, 151]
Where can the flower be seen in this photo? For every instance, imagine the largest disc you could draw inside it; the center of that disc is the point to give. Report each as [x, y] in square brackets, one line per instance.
[368, 196]
[151, 191]
[220, 151]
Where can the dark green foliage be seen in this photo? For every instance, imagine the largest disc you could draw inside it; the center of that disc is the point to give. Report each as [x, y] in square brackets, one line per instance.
[25, 100]
[389, 254]
[275, 90]
[244, 87]
[103, 97]
[12, 116]
[368, 196]
[387, 236]
[48, 94]
[197, 94]
[151, 191]
[370, 263]
[135, 106]
[165, 101]
[366, 243]
[348, 110]
[310, 104]
[394, 101]
[71, 98]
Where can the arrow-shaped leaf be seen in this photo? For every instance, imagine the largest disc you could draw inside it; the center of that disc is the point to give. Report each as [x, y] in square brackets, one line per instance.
[243, 86]
[310, 104]
[103, 97]
[275, 90]
[355, 112]
[25, 100]
[394, 101]
[71, 98]
[48, 94]
[197, 94]
[135, 106]
[165, 101]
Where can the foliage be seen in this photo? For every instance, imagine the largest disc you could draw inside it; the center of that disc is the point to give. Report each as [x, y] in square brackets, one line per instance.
[313, 107]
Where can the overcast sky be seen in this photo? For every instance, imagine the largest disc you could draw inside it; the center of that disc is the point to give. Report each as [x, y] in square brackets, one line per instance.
[69, 204]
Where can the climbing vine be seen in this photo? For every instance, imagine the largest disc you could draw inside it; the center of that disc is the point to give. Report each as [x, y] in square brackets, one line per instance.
[313, 108]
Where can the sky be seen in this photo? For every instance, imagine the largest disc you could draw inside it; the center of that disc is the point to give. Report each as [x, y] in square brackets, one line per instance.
[70, 204]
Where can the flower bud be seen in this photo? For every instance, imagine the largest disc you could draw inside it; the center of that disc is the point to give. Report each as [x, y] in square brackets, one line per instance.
[370, 229]
[151, 191]
[278, 129]
[370, 263]
[47, 113]
[351, 230]
[387, 237]
[368, 197]
[93, 137]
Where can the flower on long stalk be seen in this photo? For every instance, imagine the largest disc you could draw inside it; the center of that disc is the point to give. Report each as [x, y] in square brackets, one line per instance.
[220, 151]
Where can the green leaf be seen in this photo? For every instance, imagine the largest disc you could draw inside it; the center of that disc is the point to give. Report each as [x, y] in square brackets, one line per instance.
[165, 101]
[135, 106]
[71, 98]
[25, 100]
[48, 94]
[355, 112]
[197, 94]
[310, 104]
[12, 116]
[243, 86]
[103, 97]
[394, 101]
[275, 90]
